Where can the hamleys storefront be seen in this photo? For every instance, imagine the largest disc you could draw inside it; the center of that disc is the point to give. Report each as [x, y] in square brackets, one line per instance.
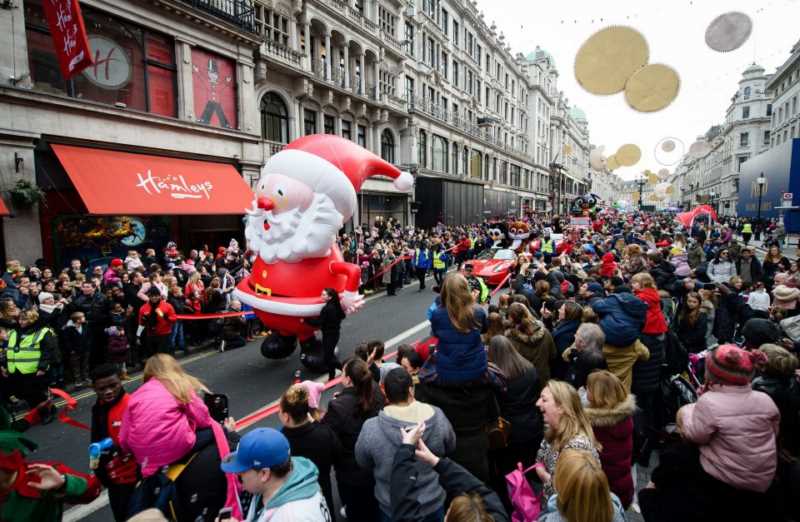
[101, 202]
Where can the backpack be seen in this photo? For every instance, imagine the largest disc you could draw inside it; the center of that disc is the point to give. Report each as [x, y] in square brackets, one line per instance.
[524, 501]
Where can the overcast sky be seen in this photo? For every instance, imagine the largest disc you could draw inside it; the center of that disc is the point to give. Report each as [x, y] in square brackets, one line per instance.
[675, 32]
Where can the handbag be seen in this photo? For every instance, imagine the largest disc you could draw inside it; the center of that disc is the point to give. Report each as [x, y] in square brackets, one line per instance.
[524, 502]
[498, 433]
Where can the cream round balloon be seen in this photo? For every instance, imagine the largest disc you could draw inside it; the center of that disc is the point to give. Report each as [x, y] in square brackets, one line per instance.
[597, 159]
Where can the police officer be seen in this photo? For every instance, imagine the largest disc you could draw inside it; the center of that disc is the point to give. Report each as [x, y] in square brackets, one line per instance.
[29, 351]
[422, 262]
[548, 247]
[439, 262]
[476, 285]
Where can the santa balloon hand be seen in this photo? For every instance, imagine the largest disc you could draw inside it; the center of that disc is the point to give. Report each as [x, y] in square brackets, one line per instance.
[351, 301]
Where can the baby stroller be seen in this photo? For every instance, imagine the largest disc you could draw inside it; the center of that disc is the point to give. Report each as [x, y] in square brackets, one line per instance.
[680, 381]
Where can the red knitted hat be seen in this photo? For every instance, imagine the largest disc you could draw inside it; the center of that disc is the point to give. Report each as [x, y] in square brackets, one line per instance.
[732, 365]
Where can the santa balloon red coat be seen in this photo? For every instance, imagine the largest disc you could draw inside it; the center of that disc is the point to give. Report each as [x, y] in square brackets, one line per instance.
[304, 196]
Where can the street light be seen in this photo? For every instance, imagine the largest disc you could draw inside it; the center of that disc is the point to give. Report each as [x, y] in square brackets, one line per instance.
[641, 182]
[761, 182]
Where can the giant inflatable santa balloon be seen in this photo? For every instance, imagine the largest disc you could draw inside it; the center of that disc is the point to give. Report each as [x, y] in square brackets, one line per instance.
[305, 194]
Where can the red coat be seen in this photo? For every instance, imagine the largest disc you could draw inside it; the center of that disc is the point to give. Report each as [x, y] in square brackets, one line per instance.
[609, 266]
[165, 318]
[654, 323]
[613, 429]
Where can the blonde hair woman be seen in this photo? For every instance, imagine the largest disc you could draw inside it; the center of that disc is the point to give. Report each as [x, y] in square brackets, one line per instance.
[567, 428]
[583, 493]
[610, 412]
[458, 322]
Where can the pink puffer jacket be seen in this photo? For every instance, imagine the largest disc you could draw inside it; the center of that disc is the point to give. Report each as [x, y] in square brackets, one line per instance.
[159, 430]
[735, 428]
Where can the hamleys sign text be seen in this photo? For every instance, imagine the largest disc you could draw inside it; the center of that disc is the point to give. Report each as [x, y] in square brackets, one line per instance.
[173, 185]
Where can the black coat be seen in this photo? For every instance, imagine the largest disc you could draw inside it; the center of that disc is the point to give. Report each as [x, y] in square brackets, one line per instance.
[647, 374]
[318, 443]
[563, 337]
[345, 418]
[756, 272]
[664, 275]
[330, 317]
[470, 409]
[94, 307]
[518, 406]
[785, 393]
[581, 364]
[693, 337]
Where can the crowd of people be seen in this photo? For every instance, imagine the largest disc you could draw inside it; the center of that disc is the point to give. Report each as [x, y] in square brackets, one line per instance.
[632, 344]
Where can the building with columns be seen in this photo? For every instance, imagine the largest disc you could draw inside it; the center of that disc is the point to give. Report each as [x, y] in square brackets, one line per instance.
[606, 185]
[714, 177]
[784, 88]
[428, 85]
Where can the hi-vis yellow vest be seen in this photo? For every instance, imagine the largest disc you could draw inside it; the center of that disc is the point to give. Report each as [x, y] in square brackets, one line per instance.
[24, 357]
[438, 262]
[547, 246]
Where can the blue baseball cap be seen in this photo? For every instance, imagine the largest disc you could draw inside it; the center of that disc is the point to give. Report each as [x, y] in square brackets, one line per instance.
[259, 449]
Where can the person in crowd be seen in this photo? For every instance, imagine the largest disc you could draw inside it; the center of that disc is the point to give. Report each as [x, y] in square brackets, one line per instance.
[422, 263]
[771, 265]
[28, 352]
[330, 322]
[457, 322]
[113, 274]
[646, 383]
[569, 319]
[517, 405]
[380, 439]
[531, 339]
[583, 493]
[494, 326]
[692, 324]
[585, 355]
[284, 487]
[471, 499]
[76, 342]
[735, 429]
[156, 318]
[439, 260]
[749, 267]
[117, 340]
[94, 306]
[360, 399]
[309, 438]
[777, 378]
[610, 413]
[234, 329]
[38, 490]
[566, 428]
[116, 470]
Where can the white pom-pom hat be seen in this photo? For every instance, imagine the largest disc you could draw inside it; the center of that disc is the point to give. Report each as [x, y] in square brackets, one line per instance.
[334, 166]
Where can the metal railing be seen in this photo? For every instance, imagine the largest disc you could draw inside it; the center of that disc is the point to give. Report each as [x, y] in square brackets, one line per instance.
[272, 147]
[241, 13]
[279, 50]
[394, 42]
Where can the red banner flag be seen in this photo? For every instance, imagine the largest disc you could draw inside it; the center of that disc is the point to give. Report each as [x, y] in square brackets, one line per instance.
[69, 35]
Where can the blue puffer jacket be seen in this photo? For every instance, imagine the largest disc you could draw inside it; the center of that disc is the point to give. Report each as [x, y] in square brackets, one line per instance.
[460, 357]
[621, 317]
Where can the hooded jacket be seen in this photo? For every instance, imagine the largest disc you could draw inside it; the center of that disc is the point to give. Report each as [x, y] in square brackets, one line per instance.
[538, 348]
[613, 429]
[380, 439]
[654, 323]
[736, 429]
[609, 266]
[460, 357]
[298, 500]
[622, 317]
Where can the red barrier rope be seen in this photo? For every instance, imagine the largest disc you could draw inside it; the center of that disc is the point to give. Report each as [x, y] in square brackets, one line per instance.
[220, 315]
[70, 405]
[503, 282]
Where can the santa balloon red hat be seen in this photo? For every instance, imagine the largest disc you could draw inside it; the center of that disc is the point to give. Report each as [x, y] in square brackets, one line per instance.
[334, 166]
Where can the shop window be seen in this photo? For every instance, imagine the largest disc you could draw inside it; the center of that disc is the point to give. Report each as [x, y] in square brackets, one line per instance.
[274, 118]
[133, 66]
[309, 122]
[214, 82]
[347, 130]
[387, 145]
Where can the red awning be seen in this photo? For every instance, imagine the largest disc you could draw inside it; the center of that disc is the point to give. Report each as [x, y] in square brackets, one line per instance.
[3, 208]
[114, 183]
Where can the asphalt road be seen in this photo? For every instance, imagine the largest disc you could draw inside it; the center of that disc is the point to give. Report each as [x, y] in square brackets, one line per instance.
[250, 381]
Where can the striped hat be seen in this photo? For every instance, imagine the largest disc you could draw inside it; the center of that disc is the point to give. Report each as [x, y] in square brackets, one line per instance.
[729, 364]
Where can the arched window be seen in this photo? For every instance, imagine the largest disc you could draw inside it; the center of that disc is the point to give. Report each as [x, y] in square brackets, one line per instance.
[422, 150]
[274, 118]
[465, 160]
[746, 92]
[387, 145]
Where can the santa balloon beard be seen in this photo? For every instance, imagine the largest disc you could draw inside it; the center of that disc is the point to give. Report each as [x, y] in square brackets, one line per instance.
[294, 234]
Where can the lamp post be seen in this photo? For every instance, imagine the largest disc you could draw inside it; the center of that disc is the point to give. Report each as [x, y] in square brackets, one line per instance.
[761, 182]
[640, 182]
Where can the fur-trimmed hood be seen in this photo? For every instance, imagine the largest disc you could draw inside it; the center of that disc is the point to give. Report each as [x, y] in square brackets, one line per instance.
[607, 417]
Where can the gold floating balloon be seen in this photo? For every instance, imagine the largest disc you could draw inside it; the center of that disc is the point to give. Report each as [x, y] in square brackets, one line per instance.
[609, 57]
[628, 155]
[612, 163]
[652, 88]
[651, 177]
[634, 196]
[670, 189]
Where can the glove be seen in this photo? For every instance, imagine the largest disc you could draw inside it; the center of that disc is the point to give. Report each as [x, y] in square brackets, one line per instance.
[351, 301]
[122, 469]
